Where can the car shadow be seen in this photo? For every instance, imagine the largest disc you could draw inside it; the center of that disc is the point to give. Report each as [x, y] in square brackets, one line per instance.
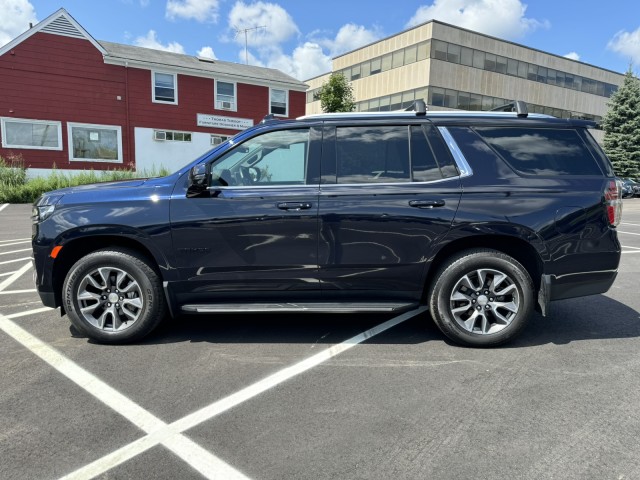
[589, 318]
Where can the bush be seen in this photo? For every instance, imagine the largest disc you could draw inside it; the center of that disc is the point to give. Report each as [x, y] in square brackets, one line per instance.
[12, 171]
[16, 188]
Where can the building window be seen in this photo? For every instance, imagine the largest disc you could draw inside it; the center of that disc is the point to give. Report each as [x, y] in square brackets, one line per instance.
[31, 134]
[171, 136]
[95, 143]
[226, 96]
[279, 102]
[165, 87]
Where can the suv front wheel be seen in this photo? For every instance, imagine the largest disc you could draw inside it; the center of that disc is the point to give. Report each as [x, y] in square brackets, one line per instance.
[481, 298]
[113, 296]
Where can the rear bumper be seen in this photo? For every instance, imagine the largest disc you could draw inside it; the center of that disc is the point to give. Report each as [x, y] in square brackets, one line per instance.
[558, 287]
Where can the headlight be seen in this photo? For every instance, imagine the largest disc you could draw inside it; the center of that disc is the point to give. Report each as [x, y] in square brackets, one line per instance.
[44, 207]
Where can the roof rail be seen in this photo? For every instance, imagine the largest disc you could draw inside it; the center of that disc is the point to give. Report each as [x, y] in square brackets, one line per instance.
[518, 106]
[268, 118]
[419, 107]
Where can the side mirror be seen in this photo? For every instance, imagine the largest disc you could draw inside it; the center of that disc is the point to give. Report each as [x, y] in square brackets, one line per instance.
[197, 181]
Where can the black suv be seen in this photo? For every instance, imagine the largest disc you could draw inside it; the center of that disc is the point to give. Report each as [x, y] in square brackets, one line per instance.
[480, 216]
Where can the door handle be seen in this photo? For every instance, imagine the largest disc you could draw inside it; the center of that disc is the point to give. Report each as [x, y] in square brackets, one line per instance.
[293, 205]
[426, 203]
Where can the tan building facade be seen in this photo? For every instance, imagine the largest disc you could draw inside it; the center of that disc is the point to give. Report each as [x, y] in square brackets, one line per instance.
[454, 68]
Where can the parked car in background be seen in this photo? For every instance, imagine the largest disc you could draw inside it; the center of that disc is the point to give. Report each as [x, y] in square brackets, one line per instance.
[626, 186]
[630, 187]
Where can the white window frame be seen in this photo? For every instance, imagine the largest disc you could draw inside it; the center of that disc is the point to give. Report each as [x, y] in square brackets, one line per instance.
[153, 87]
[3, 121]
[286, 97]
[234, 107]
[118, 128]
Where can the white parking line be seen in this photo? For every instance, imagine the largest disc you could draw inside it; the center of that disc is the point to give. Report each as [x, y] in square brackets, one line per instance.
[11, 292]
[14, 277]
[157, 431]
[5, 274]
[634, 251]
[29, 312]
[15, 260]
[628, 233]
[634, 224]
[15, 240]
[14, 243]
[16, 251]
[2, 207]
[135, 448]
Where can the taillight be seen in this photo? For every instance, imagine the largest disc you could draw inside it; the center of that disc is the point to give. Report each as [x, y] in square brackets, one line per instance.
[613, 202]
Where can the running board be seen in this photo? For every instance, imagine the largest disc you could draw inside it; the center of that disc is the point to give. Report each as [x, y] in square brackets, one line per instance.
[343, 307]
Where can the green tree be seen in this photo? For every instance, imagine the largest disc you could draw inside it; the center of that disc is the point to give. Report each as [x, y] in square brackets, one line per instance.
[336, 95]
[621, 126]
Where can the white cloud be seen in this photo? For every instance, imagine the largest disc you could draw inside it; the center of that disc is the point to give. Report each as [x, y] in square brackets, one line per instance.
[206, 52]
[199, 10]
[501, 18]
[279, 26]
[306, 61]
[572, 56]
[15, 18]
[150, 41]
[350, 37]
[626, 44]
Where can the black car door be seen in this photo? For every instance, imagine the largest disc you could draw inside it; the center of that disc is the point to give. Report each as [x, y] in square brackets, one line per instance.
[388, 194]
[256, 229]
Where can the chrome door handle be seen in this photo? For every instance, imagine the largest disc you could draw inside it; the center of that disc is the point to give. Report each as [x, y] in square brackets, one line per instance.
[426, 203]
[294, 205]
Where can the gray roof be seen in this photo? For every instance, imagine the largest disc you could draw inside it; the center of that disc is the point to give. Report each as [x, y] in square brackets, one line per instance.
[117, 51]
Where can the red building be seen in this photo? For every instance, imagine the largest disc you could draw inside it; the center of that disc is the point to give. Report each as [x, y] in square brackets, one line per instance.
[71, 101]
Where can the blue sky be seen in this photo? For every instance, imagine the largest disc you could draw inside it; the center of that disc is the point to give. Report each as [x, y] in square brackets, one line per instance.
[301, 36]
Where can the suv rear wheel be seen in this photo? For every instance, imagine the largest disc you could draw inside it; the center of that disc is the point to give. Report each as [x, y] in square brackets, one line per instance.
[113, 296]
[481, 298]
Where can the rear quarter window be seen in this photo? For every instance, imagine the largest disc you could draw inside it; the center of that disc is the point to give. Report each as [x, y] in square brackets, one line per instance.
[541, 151]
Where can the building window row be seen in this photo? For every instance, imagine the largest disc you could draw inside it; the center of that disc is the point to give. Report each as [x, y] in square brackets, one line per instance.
[446, 97]
[87, 142]
[171, 136]
[164, 89]
[453, 53]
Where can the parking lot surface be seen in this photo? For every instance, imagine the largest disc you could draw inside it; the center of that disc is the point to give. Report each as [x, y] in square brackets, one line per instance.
[319, 396]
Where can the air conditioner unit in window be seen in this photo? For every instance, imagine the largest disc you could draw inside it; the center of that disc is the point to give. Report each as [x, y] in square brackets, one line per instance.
[159, 135]
[215, 140]
[225, 105]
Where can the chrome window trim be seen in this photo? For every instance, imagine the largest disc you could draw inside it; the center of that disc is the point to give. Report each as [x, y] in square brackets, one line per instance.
[463, 165]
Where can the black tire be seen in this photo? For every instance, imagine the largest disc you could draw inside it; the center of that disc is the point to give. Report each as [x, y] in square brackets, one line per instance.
[490, 319]
[121, 295]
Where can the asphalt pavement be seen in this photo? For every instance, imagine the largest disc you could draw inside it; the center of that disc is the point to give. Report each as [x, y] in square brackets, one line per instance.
[320, 396]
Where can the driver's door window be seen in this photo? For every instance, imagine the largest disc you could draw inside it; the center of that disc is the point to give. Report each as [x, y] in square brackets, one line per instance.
[274, 158]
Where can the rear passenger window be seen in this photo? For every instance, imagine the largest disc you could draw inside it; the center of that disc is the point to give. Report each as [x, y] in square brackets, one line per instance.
[373, 154]
[538, 151]
[391, 154]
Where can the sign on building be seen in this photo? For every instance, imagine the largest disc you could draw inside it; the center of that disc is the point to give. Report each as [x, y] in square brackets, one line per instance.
[218, 121]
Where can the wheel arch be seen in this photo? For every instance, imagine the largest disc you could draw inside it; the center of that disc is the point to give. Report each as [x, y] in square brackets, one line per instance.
[76, 248]
[515, 247]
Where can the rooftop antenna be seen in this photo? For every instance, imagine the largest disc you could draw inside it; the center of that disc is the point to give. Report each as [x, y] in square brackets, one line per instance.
[245, 31]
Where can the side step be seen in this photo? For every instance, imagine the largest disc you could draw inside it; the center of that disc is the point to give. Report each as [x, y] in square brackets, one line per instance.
[342, 307]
